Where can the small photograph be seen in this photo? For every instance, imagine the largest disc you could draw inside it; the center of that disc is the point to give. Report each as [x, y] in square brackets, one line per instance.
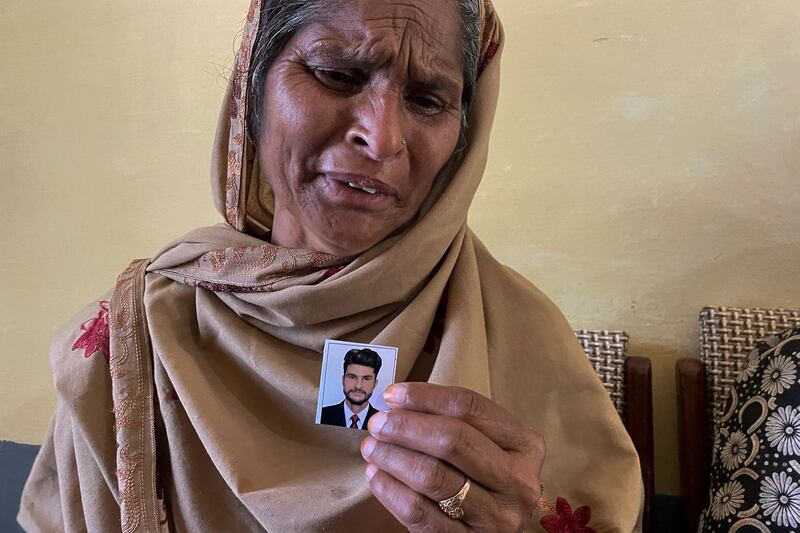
[353, 379]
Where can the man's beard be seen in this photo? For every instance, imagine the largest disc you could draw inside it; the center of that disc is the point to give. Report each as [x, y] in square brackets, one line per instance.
[357, 402]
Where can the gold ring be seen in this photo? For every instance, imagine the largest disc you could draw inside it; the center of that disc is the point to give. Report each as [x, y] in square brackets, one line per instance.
[452, 506]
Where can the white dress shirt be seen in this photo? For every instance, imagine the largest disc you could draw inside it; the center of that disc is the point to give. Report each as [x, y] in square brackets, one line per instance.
[361, 415]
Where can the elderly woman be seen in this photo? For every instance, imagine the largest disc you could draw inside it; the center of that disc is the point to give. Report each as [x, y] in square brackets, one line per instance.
[352, 140]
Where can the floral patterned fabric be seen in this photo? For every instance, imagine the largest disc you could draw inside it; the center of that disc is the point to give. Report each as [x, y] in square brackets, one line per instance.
[755, 471]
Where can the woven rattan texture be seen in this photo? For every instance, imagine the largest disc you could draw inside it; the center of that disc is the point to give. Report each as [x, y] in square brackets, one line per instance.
[606, 351]
[727, 335]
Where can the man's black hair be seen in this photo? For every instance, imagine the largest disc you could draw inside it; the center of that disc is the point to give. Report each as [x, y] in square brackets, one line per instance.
[363, 357]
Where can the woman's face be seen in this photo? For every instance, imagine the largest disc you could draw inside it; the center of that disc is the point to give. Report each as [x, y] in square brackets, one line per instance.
[360, 114]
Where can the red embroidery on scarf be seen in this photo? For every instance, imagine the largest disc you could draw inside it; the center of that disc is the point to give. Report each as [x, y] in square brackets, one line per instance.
[95, 334]
[567, 521]
[237, 95]
[332, 271]
[491, 51]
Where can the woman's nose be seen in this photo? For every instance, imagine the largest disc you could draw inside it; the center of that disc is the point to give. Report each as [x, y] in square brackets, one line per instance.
[377, 131]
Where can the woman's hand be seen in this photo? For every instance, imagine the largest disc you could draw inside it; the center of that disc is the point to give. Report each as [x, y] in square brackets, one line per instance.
[436, 437]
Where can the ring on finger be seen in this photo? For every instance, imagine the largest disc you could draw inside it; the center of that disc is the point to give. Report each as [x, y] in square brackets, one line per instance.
[452, 505]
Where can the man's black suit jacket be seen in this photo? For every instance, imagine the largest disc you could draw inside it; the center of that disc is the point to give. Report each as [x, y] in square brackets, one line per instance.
[333, 415]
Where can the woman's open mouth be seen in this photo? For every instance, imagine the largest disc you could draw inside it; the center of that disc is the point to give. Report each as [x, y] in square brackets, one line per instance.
[358, 191]
[362, 187]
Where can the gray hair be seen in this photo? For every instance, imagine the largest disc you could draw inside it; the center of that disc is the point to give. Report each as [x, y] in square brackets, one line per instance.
[281, 19]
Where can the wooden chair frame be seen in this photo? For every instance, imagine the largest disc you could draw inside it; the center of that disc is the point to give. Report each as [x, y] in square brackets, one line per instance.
[639, 423]
[694, 441]
[630, 386]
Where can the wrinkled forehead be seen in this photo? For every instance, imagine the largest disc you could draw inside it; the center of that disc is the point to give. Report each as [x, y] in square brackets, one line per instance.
[420, 33]
[431, 21]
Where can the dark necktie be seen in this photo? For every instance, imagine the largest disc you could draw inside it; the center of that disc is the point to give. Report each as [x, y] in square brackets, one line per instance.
[354, 421]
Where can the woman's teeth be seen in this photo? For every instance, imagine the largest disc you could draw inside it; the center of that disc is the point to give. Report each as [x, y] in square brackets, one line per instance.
[363, 188]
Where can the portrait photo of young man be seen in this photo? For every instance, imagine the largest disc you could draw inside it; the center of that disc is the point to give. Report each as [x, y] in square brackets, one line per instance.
[353, 378]
[359, 378]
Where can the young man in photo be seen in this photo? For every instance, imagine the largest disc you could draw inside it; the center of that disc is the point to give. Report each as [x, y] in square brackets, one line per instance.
[361, 367]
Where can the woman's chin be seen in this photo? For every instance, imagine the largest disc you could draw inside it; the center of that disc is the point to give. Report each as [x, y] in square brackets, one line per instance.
[346, 246]
[347, 238]
[336, 230]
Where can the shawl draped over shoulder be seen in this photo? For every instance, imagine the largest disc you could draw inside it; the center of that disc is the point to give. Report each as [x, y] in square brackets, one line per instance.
[186, 398]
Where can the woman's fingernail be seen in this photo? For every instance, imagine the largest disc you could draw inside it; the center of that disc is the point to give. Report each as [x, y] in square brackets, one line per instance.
[395, 394]
[371, 471]
[377, 422]
[367, 446]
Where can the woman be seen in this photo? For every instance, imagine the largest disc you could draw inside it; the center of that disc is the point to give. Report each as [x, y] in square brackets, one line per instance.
[352, 141]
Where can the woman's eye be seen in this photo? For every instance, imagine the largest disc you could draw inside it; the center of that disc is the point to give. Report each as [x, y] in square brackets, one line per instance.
[426, 104]
[335, 79]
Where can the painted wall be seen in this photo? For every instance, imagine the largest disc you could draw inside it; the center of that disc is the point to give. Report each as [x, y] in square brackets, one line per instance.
[645, 162]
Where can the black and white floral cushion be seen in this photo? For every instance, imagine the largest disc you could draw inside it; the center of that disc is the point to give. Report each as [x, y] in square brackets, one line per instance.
[755, 469]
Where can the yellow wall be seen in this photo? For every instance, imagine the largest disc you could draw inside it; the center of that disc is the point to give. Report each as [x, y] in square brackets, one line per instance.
[645, 163]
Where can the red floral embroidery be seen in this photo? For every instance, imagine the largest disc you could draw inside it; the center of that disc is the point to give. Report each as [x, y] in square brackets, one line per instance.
[332, 271]
[491, 51]
[566, 521]
[95, 334]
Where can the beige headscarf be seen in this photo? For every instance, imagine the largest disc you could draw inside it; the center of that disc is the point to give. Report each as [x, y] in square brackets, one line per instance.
[215, 357]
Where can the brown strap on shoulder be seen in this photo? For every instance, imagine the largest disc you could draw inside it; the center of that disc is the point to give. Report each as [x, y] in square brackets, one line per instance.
[131, 368]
